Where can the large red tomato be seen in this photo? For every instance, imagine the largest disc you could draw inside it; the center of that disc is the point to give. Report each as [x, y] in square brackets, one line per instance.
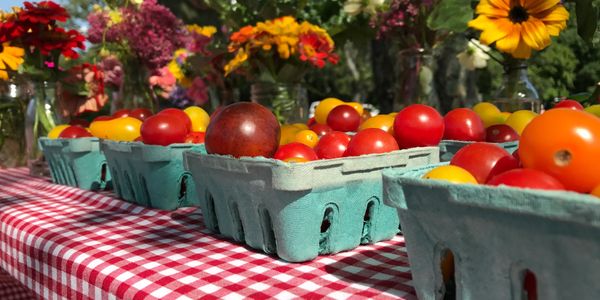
[484, 160]
[500, 133]
[179, 114]
[527, 178]
[332, 145]
[463, 124]
[343, 118]
[73, 132]
[568, 103]
[297, 152]
[564, 143]
[371, 140]
[418, 125]
[164, 129]
[195, 137]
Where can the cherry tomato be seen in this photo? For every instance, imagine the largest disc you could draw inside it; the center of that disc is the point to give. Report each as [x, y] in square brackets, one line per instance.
[451, 173]
[564, 143]
[343, 118]
[73, 132]
[79, 122]
[307, 137]
[288, 134]
[140, 113]
[594, 110]
[500, 134]
[515, 154]
[418, 125]
[357, 106]
[596, 191]
[124, 129]
[519, 119]
[527, 178]
[311, 122]
[179, 114]
[164, 129]
[295, 151]
[489, 113]
[121, 113]
[321, 129]
[139, 139]
[324, 107]
[199, 118]
[484, 160]
[383, 122]
[195, 137]
[568, 103]
[55, 132]
[216, 111]
[332, 145]
[371, 140]
[103, 118]
[463, 124]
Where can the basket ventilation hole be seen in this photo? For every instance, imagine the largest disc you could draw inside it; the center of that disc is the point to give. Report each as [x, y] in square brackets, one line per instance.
[183, 187]
[211, 217]
[447, 269]
[529, 286]
[325, 231]
[237, 221]
[367, 223]
[270, 245]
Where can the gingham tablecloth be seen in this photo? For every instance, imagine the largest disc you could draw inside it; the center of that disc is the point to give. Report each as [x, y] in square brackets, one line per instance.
[63, 242]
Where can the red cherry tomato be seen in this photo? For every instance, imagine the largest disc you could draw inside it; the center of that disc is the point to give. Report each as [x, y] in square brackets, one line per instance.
[164, 129]
[568, 103]
[564, 143]
[195, 137]
[463, 124]
[332, 145]
[140, 113]
[527, 178]
[103, 118]
[484, 160]
[371, 140]
[295, 151]
[515, 154]
[139, 139]
[79, 122]
[418, 125]
[343, 118]
[73, 132]
[179, 114]
[311, 122]
[500, 134]
[320, 129]
[121, 113]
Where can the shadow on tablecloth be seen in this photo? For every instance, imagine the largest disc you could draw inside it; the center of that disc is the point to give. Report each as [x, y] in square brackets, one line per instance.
[12, 289]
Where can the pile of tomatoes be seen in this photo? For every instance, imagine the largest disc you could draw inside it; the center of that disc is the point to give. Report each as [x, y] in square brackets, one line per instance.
[169, 126]
[558, 150]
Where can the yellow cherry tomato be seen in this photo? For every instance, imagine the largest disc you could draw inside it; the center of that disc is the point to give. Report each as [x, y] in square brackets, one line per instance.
[357, 106]
[296, 160]
[593, 109]
[483, 108]
[288, 134]
[324, 107]
[596, 191]
[383, 122]
[100, 129]
[125, 129]
[451, 173]
[55, 132]
[519, 120]
[301, 126]
[393, 114]
[199, 117]
[504, 116]
[307, 137]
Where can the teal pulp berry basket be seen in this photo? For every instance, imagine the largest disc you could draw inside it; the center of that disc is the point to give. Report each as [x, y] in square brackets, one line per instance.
[76, 162]
[449, 147]
[150, 175]
[507, 243]
[299, 210]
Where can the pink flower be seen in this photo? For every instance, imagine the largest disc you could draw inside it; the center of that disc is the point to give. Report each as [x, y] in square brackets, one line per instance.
[165, 81]
[198, 92]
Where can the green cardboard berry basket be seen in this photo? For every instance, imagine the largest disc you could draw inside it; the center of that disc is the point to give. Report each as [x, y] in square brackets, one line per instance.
[299, 210]
[497, 235]
[150, 175]
[449, 147]
[76, 162]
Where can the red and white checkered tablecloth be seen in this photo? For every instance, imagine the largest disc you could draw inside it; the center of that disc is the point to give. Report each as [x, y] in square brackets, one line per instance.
[63, 242]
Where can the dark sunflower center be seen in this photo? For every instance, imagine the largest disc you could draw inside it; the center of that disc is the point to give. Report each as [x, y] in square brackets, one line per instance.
[518, 14]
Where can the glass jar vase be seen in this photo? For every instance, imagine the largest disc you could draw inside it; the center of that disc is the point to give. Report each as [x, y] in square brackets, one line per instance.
[517, 92]
[289, 102]
[415, 79]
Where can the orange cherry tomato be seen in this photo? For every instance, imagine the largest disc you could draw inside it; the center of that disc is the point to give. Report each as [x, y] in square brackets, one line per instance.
[564, 143]
[383, 122]
[307, 137]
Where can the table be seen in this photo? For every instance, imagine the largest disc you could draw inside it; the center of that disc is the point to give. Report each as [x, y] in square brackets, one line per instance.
[62, 242]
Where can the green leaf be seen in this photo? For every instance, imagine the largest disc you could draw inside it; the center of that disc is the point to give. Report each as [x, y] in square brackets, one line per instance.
[587, 19]
[452, 15]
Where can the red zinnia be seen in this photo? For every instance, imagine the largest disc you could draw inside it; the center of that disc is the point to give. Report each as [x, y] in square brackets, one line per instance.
[43, 12]
[316, 49]
[58, 39]
[10, 29]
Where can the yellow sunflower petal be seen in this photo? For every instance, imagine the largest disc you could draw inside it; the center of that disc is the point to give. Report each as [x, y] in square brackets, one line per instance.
[554, 28]
[509, 43]
[501, 28]
[12, 62]
[538, 6]
[534, 33]
[491, 11]
[522, 51]
[3, 75]
[502, 4]
[559, 13]
[481, 23]
[14, 51]
[2, 65]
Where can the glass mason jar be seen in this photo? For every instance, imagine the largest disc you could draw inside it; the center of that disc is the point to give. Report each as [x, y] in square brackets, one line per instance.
[415, 79]
[289, 102]
[12, 134]
[41, 116]
[517, 92]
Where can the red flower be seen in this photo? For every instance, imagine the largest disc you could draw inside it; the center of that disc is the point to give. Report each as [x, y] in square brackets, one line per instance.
[10, 29]
[57, 39]
[316, 49]
[44, 12]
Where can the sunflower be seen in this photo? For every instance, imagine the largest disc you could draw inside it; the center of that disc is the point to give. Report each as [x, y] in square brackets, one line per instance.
[10, 58]
[517, 26]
